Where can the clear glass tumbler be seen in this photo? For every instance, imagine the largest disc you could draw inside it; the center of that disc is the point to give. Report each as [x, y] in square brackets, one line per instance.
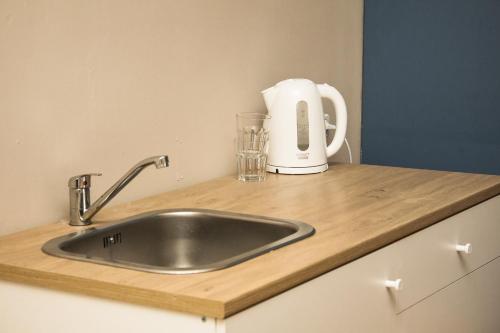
[253, 139]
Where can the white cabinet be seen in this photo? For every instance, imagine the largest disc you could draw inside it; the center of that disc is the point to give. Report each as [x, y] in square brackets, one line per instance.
[443, 290]
[468, 305]
[28, 309]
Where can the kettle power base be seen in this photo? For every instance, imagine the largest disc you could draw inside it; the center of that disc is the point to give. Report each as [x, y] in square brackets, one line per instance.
[296, 170]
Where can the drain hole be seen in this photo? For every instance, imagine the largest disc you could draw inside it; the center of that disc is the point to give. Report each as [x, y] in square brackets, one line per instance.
[107, 241]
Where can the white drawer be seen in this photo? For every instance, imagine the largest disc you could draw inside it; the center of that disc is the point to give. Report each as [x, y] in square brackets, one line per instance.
[479, 226]
[428, 260]
[469, 305]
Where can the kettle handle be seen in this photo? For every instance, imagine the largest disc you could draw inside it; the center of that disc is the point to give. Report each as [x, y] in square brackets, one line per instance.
[338, 101]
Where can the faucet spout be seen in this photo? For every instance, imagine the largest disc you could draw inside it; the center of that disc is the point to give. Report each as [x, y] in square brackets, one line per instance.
[81, 212]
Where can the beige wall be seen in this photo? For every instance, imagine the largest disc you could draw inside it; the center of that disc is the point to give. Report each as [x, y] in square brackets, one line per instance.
[98, 85]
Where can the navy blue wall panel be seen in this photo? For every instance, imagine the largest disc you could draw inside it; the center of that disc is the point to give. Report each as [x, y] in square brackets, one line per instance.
[431, 84]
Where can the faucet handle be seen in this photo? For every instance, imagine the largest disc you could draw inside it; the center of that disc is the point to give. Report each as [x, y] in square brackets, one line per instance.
[82, 181]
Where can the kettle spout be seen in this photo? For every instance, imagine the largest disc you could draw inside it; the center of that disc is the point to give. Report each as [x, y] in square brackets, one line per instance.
[269, 94]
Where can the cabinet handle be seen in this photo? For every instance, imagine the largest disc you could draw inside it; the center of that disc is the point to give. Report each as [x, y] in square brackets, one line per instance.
[464, 248]
[394, 284]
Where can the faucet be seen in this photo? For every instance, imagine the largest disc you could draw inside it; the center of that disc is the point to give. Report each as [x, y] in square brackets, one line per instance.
[80, 209]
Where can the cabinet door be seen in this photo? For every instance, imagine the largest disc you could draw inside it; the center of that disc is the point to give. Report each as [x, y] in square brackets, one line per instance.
[471, 304]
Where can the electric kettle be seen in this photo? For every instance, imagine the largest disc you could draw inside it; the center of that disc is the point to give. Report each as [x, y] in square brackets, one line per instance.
[297, 128]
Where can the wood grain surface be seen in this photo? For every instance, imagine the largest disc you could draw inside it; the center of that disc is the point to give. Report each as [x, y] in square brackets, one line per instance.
[355, 209]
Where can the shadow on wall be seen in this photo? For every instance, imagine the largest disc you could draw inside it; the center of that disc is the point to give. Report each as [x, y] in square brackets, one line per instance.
[95, 86]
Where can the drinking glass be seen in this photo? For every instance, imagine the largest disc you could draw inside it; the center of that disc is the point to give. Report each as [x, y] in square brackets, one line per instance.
[253, 138]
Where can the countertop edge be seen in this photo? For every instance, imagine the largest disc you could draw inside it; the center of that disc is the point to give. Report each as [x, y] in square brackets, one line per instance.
[112, 291]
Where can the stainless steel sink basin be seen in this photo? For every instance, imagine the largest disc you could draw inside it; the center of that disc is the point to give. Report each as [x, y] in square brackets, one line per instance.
[181, 241]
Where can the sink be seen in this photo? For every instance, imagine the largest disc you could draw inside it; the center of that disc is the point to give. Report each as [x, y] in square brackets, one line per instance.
[180, 241]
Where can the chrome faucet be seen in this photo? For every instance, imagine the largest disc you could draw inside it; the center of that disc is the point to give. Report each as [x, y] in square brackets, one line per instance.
[80, 209]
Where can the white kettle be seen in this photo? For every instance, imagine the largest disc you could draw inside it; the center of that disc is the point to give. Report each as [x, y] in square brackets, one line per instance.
[297, 128]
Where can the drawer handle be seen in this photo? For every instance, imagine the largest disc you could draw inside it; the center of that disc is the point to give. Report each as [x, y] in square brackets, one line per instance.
[464, 248]
[394, 284]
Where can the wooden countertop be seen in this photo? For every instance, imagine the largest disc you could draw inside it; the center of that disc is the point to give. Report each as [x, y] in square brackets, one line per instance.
[354, 208]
